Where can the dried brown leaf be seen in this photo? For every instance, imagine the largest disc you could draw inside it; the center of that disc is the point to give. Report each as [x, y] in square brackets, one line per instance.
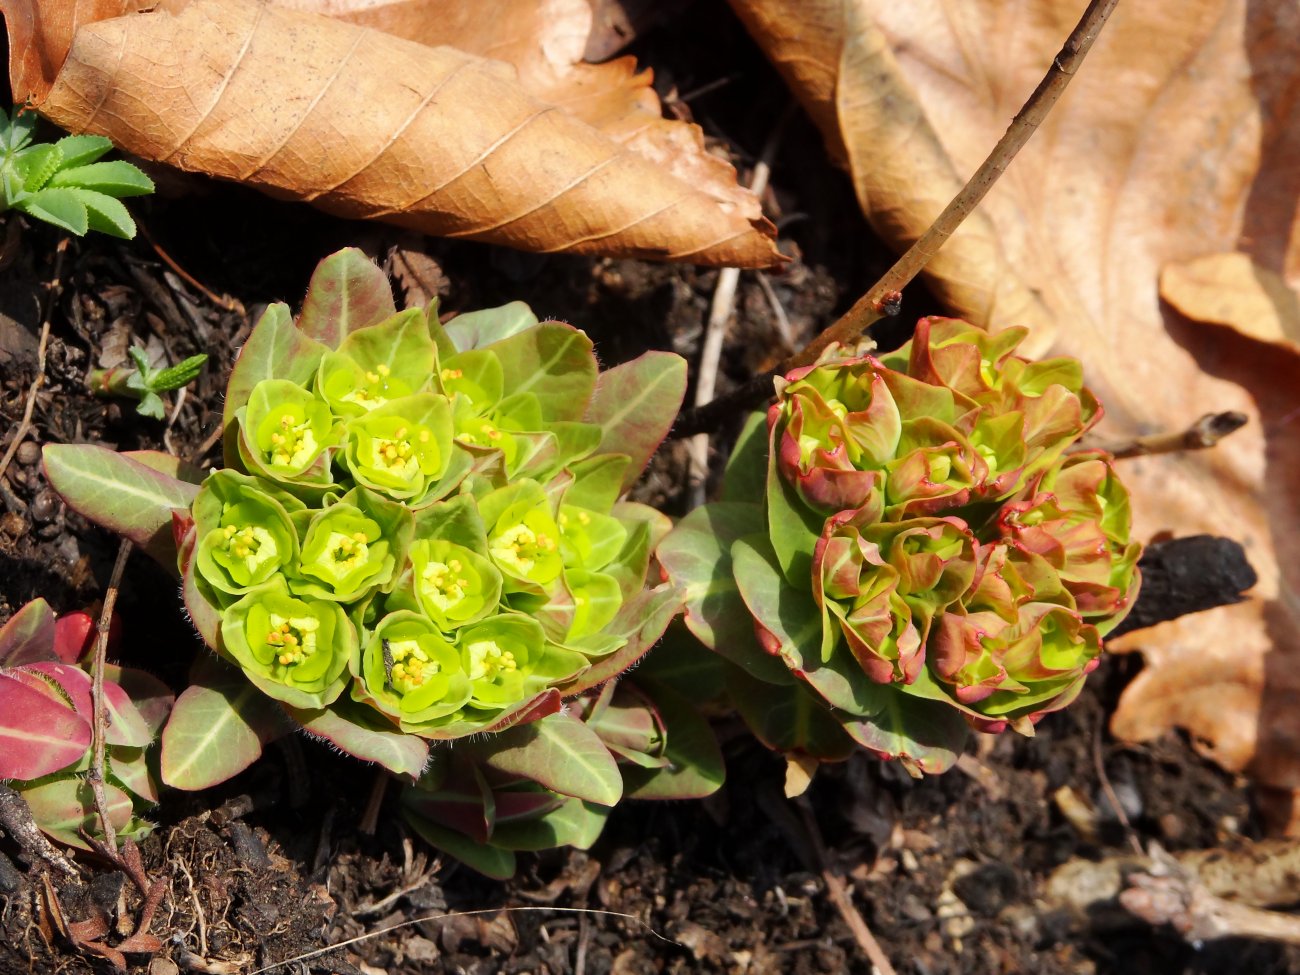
[1232, 290]
[367, 124]
[1179, 137]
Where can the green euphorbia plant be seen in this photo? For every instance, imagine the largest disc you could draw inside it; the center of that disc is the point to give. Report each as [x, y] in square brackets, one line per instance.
[418, 534]
[909, 547]
[46, 715]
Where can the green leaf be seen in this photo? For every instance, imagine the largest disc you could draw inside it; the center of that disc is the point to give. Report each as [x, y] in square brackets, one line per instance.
[635, 404]
[575, 823]
[926, 736]
[792, 529]
[215, 731]
[695, 768]
[697, 557]
[168, 464]
[476, 329]
[58, 207]
[18, 132]
[80, 150]
[747, 467]
[116, 178]
[561, 753]
[36, 165]
[488, 860]
[151, 405]
[121, 494]
[347, 292]
[65, 807]
[358, 732]
[790, 718]
[555, 363]
[178, 375]
[106, 214]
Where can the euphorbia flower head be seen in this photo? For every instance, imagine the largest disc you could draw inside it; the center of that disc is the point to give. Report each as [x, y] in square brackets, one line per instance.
[925, 545]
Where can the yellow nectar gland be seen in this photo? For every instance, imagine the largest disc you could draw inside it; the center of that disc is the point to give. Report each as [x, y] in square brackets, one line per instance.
[294, 638]
[486, 436]
[293, 444]
[487, 661]
[447, 375]
[250, 543]
[442, 584]
[398, 453]
[521, 547]
[349, 550]
[412, 667]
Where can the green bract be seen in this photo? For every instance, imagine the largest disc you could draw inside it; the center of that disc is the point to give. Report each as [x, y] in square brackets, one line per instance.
[914, 544]
[245, 536]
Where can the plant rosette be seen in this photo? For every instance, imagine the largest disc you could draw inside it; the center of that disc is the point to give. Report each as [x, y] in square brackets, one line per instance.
[46, 710]
[419, 533]
[917, 544]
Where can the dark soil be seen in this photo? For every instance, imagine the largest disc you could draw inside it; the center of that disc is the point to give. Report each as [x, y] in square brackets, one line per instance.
[947, 872]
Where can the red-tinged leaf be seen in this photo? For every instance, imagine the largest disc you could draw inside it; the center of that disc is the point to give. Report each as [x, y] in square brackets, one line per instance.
[28, 636]
[64, 808]
[463, 802]
[74, 635]
[561, 753]
[215, 732]
[635, 405]
[347, 292]
[121, 494]
[39, 734]
[126, 726]
[352, 730]
[512, 806]
[926, 736]
[204, 616]
[151, 697]
[129, 768]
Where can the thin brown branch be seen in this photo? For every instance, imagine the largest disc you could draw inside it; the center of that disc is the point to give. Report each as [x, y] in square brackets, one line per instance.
[99, 725]
[884, 294]
[841, 898]
[1201, 435]
[25, 424]
[883, 297]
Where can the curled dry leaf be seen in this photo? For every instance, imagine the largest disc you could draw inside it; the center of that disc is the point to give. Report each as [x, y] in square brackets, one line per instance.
[1179, 137]
[360, 116]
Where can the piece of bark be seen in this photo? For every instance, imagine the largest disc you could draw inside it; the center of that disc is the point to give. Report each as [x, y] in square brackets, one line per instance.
[1188, 575]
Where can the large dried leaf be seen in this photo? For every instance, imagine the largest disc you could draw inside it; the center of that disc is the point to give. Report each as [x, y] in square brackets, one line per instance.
[364, 123]
[1179, 137]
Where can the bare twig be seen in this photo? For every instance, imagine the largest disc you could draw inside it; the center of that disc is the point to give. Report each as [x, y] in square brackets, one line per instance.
[100, 723]
[1201, 435]
[1176, 898]
[883, 297]
[841, 898]
[224, 301]
[1098, 763]
[720, 311]
[25, 424]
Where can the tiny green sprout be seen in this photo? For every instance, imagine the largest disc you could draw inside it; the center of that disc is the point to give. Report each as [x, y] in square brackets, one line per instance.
[62, 183]
[145, 382]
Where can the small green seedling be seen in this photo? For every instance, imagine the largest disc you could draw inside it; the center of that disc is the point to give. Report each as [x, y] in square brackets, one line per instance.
[63, 183]
[145, 382]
